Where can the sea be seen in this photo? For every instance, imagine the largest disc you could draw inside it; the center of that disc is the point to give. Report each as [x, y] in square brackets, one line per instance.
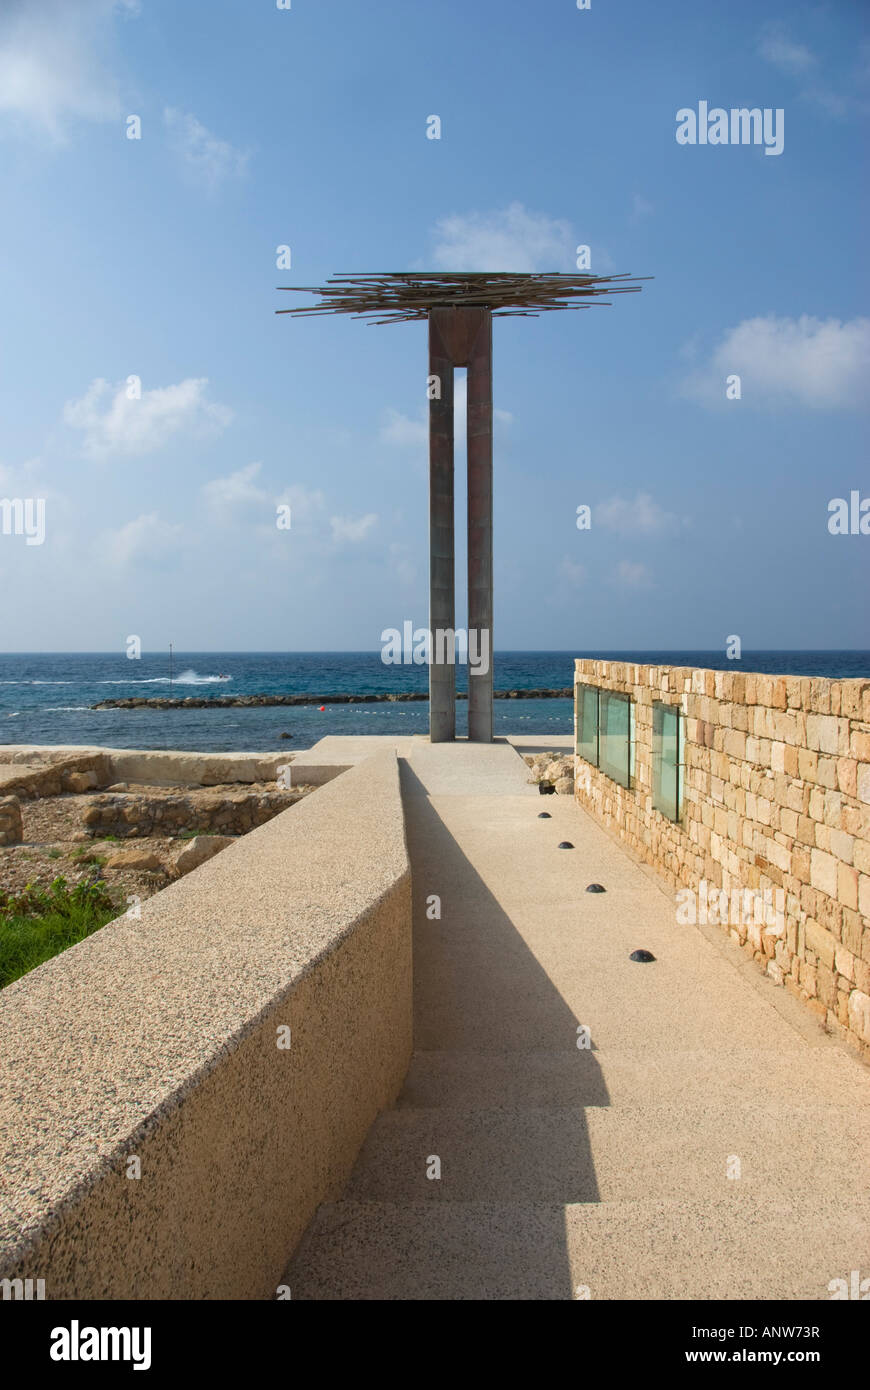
[47, 698]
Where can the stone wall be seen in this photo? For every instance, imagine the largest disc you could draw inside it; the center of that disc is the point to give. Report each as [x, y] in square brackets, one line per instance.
[233, 813]
[71, 773]
[10, 820]
[180, 1091]
[156, 767]
[777, 800]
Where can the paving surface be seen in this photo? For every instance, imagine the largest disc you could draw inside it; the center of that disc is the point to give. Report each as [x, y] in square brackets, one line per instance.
[597, 1172]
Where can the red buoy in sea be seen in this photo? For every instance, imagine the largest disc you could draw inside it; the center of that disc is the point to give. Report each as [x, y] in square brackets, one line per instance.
[321, 708]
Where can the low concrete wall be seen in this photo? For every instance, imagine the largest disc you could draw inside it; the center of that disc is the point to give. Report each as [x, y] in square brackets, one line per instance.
[157, 1040]
[777, 800]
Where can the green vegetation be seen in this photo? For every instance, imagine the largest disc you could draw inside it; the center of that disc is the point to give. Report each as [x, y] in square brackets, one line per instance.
[84, 855]
[37, 923]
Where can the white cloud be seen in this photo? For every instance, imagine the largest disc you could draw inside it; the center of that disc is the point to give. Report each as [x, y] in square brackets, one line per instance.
[832, 102]
[345, 528]
[509, 239]
[575, 574]
[55, 61]
[147, 537]
[306, 505]
[403, 430]
[29, 480]
[641, 207]
[131, 427]
[839, 98]
[630, 575]
[823, 364]
[777, 47]
[236, 490]
[402, 564]
[208, 160]
[640, 515]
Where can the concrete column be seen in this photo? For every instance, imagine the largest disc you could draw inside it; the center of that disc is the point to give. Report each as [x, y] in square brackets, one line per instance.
[442, 601]
[480, 613]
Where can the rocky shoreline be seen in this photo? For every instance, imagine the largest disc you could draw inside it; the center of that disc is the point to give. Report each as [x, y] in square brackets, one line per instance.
[257, 701]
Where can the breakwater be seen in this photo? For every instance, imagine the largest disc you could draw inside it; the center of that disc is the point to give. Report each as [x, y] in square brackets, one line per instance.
[257, 701]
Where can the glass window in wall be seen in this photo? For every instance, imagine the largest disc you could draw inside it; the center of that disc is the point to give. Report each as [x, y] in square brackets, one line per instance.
[667, 758]
[587, 723]
[615, 753]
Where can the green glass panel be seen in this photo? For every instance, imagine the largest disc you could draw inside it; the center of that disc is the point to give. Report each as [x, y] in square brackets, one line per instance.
[587, 723]
[614, 737]
[666, 781]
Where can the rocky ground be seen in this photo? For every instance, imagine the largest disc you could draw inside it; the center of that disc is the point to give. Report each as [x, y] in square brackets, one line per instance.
[55, 842]
[553, 769]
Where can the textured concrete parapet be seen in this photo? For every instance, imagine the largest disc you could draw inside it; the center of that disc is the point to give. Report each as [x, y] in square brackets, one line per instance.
[776, 801]
[180, 1091]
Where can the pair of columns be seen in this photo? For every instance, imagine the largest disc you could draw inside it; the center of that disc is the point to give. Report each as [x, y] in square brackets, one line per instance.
[460, 338]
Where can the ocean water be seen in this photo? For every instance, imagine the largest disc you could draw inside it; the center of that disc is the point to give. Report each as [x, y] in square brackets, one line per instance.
[45, 698]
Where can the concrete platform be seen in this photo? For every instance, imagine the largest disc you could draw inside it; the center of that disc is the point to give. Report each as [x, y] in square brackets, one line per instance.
[335, 753]
[541, 743]
[605, 1167]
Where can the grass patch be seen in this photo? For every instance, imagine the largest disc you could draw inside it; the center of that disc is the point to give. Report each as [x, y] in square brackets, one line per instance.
[37, 924]
[83, 855]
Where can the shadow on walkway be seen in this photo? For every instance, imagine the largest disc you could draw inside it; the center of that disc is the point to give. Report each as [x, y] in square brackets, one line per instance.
[498, 1086]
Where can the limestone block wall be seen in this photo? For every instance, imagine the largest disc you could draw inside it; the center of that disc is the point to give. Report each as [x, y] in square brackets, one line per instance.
[777, 797]
[72, 772]
[156, 767]
[138, 814]
[10, 820]
[181, 1090]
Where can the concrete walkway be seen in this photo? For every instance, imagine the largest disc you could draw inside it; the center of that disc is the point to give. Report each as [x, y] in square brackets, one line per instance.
[599, 1172]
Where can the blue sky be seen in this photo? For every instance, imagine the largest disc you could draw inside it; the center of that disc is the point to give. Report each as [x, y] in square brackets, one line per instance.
[307, 127]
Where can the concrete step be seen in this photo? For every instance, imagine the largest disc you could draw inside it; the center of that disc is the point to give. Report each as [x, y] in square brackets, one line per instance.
[573, 1077]
[726, 1249]
[664, 1152]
